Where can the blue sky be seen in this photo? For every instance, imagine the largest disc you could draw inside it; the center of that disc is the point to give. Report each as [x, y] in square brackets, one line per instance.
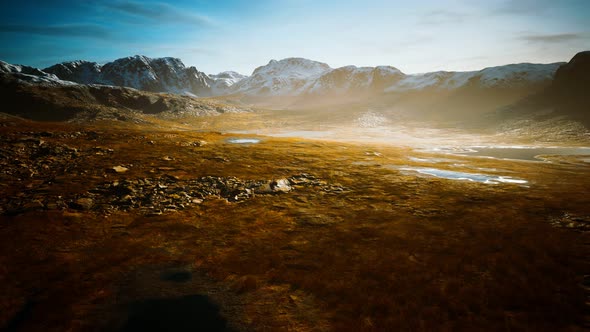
[414, 36]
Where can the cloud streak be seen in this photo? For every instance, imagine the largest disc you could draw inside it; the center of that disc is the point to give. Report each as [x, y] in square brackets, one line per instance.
[521, 7]
[534, 7]
[552, 38]
[62, 30]
[436, 17]
[158, 12]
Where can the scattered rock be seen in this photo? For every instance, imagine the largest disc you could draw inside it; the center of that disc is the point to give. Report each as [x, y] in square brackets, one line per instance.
[119, 169]
[194, 143]
[34, 205]
[83, 204]
[264, 188]
[157, 195]
[567, 220]
[281, 185]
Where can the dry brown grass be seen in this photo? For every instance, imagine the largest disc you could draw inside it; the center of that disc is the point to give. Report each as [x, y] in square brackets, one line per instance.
[396, 252]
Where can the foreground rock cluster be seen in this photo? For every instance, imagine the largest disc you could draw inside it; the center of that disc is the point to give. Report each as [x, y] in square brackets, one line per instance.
[32, 163]
[154, 196]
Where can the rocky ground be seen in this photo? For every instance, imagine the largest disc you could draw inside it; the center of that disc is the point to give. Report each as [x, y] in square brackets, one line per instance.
[27, 155]
[112, 228]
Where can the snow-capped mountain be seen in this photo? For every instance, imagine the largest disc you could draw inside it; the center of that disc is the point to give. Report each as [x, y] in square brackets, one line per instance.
[297, 76]
[224, 80]
[289, 77]
[139, 72]
[30, 75]
[438, 80]
[286, 77]
[352, 79]
[156, 75]
[508, 76]
[9, 68]
[83, 72]
[515, 75]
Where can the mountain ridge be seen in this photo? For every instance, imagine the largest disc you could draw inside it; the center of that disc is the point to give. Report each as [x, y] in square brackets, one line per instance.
[165, 74]
[290, 77]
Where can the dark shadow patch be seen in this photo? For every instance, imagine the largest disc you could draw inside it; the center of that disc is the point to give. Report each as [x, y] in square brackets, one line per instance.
[176, 276]
[21, 316]
[187, 313]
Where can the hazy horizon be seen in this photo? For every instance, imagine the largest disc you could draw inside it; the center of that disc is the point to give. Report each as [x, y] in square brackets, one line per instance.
[215, 36]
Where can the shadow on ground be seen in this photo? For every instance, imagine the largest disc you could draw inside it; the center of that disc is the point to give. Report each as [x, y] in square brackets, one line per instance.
[187, 313]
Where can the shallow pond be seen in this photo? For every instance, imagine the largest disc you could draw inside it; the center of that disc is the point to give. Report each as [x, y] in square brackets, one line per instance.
[243, 140]
[454, 175]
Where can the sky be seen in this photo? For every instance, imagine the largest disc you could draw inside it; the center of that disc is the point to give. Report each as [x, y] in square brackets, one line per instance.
[218, 35]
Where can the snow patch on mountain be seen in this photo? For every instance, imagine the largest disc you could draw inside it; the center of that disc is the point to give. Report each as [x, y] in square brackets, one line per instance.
[354, 79]
[31, 75]
[281, 78]
[514, 75]
[223, 81]
[341, 80]
[10, 68]
[517, 74]
[439, 79]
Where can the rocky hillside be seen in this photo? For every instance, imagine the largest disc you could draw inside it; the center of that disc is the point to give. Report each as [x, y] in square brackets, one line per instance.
[83, 72]
[33, 94]
[567, 96]
[572, 82]
[29, 75]
[143, 73]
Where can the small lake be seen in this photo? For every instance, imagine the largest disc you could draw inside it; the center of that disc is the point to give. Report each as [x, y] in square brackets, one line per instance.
[474, 177]
[522, 153]
[243, 140]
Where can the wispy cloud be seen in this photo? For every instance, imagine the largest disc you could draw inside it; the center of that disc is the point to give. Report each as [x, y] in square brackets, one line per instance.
[534, 7]
[520, 7]
[62, 30]
[553, 38]
[441, 16]
[159, 12]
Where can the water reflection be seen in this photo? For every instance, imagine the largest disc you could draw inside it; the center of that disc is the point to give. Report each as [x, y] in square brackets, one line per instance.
[243, 140]
[454, 175]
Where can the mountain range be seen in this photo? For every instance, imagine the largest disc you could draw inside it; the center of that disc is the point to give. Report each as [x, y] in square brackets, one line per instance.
[297, 83]
[290, 77]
